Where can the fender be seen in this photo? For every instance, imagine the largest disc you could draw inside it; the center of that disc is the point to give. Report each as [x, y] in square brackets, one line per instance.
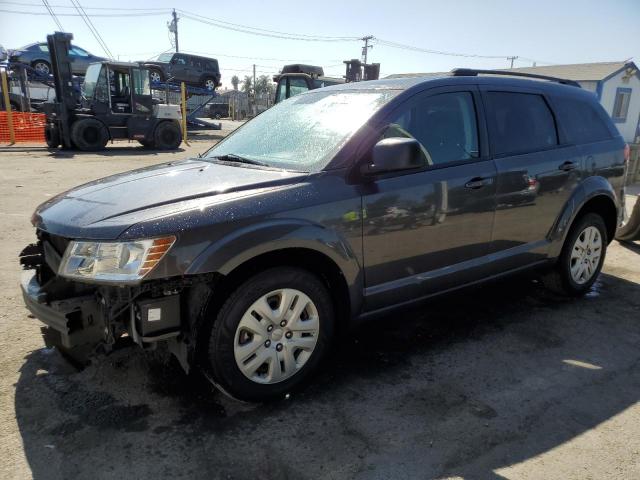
[589, 188]
[231, 251]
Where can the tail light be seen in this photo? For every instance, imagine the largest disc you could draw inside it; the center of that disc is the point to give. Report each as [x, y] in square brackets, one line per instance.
[627, 153]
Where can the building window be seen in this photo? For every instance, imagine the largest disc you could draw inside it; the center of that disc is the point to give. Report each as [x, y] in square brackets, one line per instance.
[621, 105]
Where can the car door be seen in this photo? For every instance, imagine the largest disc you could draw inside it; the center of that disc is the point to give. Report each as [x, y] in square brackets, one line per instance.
[179, 68]
[429, 230]
[537, 173]
[196, 70]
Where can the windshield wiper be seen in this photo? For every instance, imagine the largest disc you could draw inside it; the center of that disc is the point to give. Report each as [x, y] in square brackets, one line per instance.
[232, 157]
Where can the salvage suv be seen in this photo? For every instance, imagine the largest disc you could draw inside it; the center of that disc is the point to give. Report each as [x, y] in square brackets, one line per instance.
[333, 206]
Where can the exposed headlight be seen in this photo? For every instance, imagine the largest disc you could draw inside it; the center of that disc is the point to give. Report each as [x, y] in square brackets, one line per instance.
[117, 262]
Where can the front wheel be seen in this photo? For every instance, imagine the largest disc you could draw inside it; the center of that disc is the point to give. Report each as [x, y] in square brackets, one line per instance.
[167, 136]
[270, 334]
[582, 257]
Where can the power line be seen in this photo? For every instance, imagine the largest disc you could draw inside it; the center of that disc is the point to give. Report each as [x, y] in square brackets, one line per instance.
[92, 28]
[434, 52]
[141, 14]
[27, 4]
[53, 15]
[261, 31]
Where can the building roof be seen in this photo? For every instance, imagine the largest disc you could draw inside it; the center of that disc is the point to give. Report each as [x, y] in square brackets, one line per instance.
[579, 71]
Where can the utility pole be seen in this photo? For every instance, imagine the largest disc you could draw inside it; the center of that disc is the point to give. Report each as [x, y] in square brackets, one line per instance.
[512, 59]
[173, 28]
[255, 106]
[366, 47]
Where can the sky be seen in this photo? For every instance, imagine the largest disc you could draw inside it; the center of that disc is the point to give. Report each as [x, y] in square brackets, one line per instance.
[544, 31]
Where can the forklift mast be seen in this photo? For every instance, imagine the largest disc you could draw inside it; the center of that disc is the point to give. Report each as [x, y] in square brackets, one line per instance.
[66, 98]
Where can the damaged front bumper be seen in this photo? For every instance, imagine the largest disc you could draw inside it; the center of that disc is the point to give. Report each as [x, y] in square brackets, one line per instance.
[76, 321]
[78, 317]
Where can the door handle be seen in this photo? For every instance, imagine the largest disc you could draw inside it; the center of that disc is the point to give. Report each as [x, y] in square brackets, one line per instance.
[475, 183]
[568, 166]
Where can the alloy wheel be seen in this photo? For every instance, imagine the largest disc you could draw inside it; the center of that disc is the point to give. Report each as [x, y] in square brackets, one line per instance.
[276, 336]
[585, 255]
[154, 76]
[41, 68]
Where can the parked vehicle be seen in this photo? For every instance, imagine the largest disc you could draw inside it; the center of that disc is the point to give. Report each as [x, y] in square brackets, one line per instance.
[335, 206]
[4, 55]
[182, 67]
[218, 110]
[37, 56]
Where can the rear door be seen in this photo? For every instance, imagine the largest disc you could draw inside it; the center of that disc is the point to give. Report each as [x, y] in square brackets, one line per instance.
[537, 173]
[429, 230]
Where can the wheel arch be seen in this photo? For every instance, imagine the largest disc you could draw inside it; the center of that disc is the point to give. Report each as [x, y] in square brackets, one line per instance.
[594, 195]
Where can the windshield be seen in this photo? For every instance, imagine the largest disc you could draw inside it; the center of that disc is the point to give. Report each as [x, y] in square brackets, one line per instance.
[304, 132]
[165, 57]
[90, 79]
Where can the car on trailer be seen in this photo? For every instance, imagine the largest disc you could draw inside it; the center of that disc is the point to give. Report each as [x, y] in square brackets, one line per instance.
[37, 56]
[193, 70]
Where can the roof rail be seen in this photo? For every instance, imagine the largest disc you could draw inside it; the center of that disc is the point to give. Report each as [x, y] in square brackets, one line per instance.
[470, 72]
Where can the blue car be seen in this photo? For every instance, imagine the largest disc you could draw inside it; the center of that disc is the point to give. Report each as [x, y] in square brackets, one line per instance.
[37, 56]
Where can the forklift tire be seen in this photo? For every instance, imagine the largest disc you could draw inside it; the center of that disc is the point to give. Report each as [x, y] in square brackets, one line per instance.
[89, 134]
[167, 136]
[147, 143]
[52, 136]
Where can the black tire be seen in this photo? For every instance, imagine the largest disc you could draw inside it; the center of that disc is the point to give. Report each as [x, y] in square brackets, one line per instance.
[89, 134]
[630, 231]
[218, 116]
[560, 279]
[52, 136]
[156, 75]
[147, 143]
[209, 83]
[42, 67]
[220, 362]
[167, 136]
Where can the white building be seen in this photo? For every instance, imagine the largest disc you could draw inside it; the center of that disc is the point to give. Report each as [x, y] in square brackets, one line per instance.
[616, 84]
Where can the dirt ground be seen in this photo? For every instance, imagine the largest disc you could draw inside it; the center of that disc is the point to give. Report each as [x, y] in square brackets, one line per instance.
[501, 381]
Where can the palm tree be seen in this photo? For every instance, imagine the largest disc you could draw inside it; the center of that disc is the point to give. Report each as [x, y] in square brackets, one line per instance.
[247, 84]
[235, 81]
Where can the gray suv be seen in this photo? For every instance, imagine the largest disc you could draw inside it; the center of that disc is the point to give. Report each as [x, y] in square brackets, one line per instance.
[334, 206]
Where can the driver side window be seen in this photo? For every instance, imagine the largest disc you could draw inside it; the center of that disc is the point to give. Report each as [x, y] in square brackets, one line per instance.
[444, 125]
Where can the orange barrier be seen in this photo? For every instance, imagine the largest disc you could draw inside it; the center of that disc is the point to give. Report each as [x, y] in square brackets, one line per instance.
[28, 127]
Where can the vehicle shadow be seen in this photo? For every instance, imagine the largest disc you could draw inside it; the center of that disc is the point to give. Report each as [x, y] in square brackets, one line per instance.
[112, 151]
[469, 384]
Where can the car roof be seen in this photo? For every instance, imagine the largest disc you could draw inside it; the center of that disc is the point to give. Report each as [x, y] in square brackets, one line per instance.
[430, 81]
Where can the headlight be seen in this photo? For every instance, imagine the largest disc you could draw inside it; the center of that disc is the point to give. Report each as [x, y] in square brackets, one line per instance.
[118, 262]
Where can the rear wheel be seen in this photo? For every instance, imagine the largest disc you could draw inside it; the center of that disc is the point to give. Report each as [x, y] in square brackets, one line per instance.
[167, 136]
[582, 257]
[270, 334]
[209, 83]
[89, 134]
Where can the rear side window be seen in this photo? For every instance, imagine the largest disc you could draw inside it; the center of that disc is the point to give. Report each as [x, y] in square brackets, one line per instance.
[521, 122]
[581, 121]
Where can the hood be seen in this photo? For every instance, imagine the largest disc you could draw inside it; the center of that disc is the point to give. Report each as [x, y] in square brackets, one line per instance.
[104, 208]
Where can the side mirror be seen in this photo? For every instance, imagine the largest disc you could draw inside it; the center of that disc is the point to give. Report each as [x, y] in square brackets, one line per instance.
[395, 154]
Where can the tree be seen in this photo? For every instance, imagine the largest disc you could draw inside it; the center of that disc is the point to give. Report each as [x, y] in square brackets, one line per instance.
[263, 85]
[247, 84]
[235, 81]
